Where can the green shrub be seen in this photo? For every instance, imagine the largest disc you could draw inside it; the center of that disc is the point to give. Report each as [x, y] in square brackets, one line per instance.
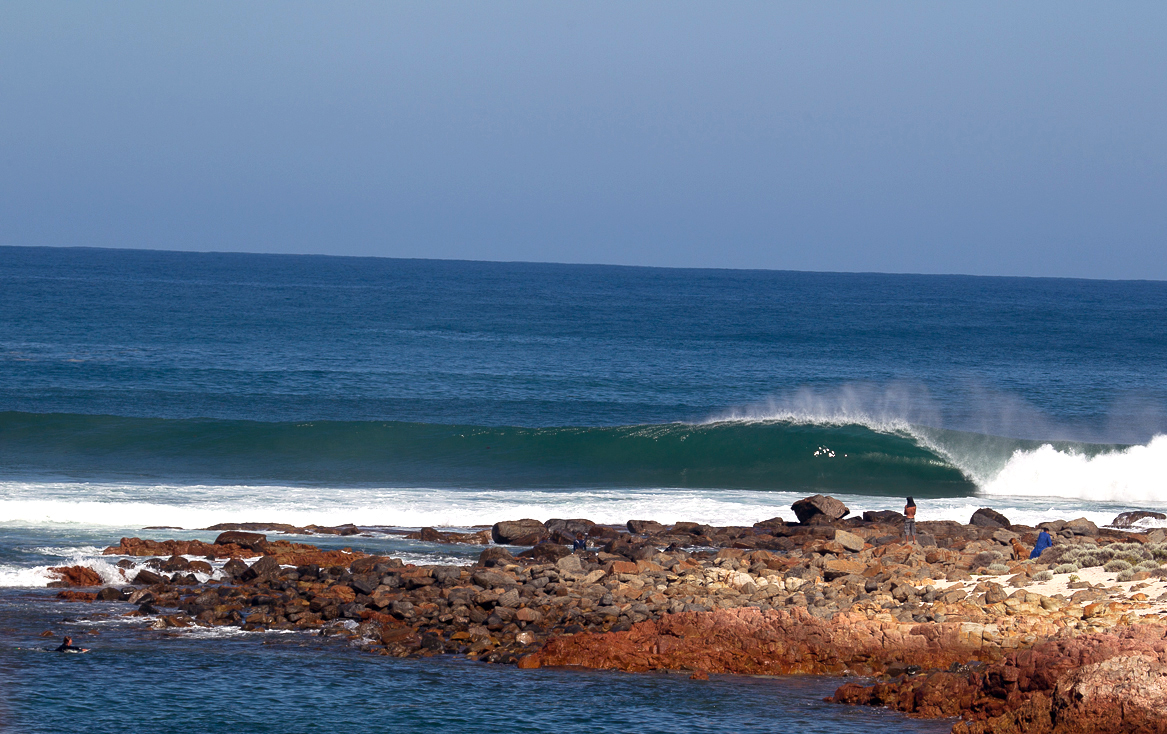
[1127, 575]
[998, 568]
[1043, 576]
[1067, 568]
[1117, 565]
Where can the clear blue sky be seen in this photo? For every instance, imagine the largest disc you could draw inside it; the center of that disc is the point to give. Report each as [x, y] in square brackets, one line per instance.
[989, 138]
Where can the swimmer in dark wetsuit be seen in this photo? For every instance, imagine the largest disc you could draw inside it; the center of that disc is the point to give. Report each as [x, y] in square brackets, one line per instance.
[68, 646]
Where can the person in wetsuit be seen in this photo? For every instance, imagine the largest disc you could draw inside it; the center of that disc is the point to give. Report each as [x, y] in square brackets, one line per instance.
[910, 520]
[1043, 541]
[68, 646]
[580, 544]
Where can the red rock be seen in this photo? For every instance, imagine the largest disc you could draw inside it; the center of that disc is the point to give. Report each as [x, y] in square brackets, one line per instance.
[74, 576]
[1100, 683]
[529, 662]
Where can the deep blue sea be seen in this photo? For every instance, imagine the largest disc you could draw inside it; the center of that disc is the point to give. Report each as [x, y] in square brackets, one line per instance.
[145, 388]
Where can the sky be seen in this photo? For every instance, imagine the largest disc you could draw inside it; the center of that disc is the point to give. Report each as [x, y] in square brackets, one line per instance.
[983, 138]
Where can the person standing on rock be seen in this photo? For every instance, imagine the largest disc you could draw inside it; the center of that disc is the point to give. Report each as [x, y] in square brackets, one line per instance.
[910, 520]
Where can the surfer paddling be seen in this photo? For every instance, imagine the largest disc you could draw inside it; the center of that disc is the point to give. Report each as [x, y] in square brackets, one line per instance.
[68, 646]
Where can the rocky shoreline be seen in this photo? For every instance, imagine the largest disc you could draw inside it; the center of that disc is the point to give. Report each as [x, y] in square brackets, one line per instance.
[960, 624]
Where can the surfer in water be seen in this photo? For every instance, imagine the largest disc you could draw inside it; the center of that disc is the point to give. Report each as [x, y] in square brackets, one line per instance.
[68, 646]
[910, 520]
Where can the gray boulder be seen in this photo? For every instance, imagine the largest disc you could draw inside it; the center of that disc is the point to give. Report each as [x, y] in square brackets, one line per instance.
[987, 517]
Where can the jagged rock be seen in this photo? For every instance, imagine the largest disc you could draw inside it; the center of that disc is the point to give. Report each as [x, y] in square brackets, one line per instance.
[109, 593]
[262, 567]
[987, 517]
[828, 508]
[74, 576]
[1128, 519]
[518, 532]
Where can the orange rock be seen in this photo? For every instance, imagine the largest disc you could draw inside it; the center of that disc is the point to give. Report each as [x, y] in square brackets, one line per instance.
[623, 567]
[529, 662]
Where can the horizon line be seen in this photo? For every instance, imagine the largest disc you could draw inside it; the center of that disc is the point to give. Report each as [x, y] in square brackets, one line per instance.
[578, 264]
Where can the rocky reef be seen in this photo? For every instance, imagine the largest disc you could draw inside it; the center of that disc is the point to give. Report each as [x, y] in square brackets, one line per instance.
[960, 624]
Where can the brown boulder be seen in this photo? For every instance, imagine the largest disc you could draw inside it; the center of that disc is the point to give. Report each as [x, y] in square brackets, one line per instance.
[820, 507]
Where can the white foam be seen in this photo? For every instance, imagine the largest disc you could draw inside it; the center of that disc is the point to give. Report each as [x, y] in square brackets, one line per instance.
[1135, 476]
[38, 577]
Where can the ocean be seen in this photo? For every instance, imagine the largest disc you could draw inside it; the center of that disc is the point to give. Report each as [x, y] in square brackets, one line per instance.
[150, 388]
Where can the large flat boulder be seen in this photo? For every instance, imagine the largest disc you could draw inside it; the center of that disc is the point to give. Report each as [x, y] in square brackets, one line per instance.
[819, 507]
[254, 541]
[518, 532]
[850, 541]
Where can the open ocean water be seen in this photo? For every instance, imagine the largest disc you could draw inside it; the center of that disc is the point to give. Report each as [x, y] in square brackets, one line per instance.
[178, 389]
